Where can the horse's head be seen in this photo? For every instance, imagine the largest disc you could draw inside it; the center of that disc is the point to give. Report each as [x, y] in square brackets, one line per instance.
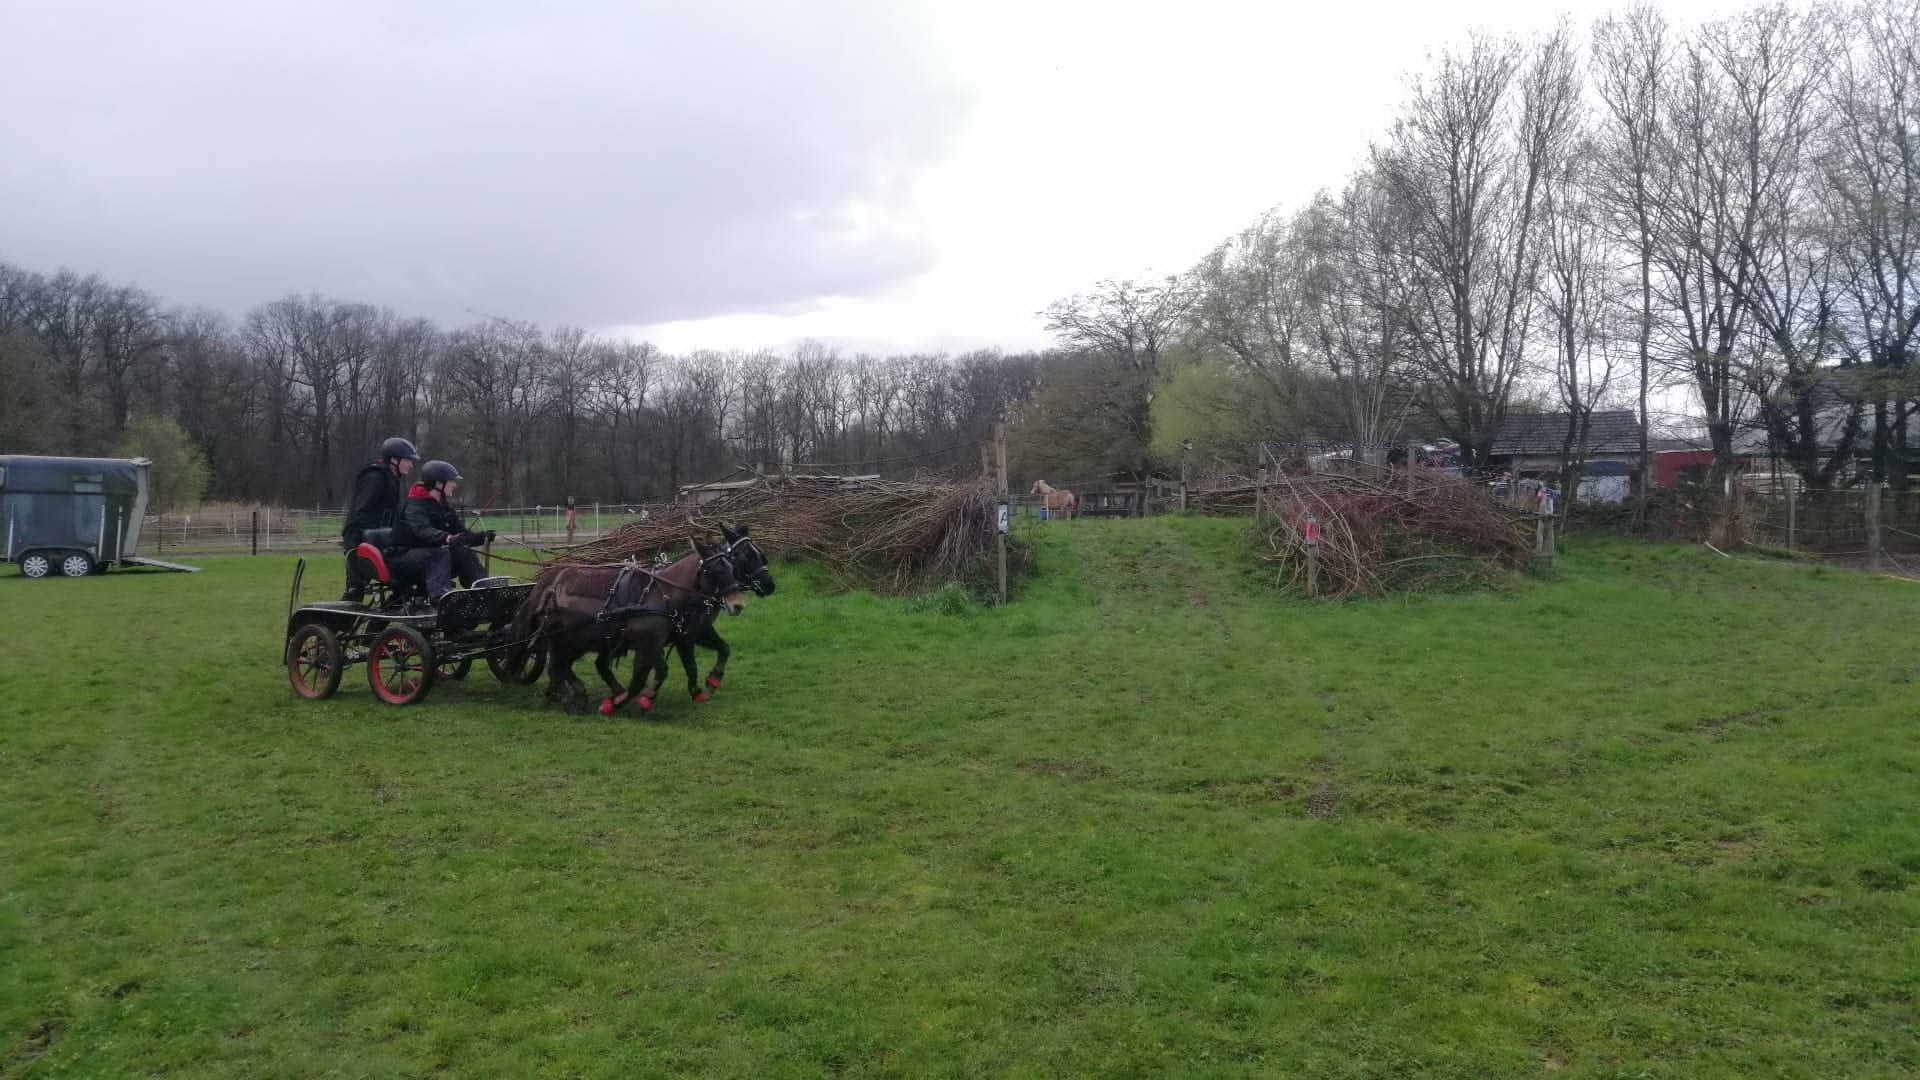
[719, 578]
[1039, 488]
[748, 561]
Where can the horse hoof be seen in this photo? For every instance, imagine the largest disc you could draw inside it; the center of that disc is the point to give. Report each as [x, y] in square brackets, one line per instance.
[713, 681]
[701, 698]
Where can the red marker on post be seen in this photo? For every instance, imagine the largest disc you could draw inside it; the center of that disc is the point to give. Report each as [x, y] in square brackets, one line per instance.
[1313, 530]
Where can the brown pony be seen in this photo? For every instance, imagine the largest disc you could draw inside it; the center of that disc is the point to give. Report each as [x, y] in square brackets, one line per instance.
[610, 610]
[1059, 501]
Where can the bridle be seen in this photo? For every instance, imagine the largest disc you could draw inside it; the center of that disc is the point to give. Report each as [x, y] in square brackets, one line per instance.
[753, 580]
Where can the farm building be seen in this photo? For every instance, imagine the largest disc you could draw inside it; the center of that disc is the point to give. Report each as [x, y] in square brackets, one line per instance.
[1532, 446]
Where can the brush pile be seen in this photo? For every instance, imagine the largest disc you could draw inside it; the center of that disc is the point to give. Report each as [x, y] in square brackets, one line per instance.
[1430, 533]
[888, 536]
[1234, 497]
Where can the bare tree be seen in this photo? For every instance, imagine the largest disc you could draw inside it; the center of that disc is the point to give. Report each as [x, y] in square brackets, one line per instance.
[1354, 285]
[1731, 224]
[491, 375]
[1469, 158]
[1871, 156]
[1632, 54]
[1247, 300]
[1577, 299]
[1124, 329]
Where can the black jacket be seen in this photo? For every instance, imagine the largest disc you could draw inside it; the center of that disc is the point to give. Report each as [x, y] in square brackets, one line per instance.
[376, 500]
[425, 521]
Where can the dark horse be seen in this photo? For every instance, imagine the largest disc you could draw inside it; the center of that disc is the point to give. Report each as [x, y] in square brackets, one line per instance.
[750, 565]
[751, 570]
[609, 610]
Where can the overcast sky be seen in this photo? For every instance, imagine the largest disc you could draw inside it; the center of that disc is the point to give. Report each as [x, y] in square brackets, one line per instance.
[888, 174]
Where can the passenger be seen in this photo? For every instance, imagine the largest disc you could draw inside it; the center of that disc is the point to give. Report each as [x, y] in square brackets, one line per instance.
[375, 505]
[435, 545]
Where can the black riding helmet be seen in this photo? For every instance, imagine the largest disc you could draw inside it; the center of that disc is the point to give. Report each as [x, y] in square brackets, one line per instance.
[435, 473]
[396, 448]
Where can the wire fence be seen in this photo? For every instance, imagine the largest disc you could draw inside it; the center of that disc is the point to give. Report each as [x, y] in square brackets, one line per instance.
[222, 529]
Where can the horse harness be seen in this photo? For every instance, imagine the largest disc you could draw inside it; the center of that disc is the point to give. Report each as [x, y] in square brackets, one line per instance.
[612, 613]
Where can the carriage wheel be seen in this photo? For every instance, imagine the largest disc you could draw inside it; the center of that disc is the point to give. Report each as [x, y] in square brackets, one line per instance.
[400, 666]
[314, 662]
[454, 669]
[526, 673]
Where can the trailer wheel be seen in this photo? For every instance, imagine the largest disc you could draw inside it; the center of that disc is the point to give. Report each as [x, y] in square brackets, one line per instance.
[314, 662]
[400, 666]
[455, 669]
[76, 564]
[36, 564]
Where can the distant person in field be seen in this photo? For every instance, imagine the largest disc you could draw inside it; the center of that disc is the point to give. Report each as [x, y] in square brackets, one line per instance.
[436, 545]
[375, 505]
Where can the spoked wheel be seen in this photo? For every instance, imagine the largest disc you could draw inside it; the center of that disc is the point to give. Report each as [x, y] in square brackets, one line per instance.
[525, 673]
[37, 564]
[400, 665]
[314, 662]
[76, 564]
[454, 669]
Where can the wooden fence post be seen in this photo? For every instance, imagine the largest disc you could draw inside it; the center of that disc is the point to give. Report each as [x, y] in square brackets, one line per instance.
[1873, 526]
[255, 532]
[1793, 499]
[1000, 482]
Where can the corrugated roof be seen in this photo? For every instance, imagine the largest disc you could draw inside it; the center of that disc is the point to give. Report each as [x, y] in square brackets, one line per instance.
[1615, 431]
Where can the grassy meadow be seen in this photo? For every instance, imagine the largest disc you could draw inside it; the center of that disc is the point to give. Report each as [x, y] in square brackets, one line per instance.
[1654, 817]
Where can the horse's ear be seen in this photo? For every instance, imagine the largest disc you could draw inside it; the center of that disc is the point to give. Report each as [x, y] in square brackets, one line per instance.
[744, 530]
[728, 532]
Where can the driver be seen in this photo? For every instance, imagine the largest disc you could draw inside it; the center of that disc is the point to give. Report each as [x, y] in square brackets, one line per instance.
[436, 546]
[376, 503]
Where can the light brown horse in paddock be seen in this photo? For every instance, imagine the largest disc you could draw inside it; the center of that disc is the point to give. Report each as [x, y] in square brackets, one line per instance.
[1059, 501]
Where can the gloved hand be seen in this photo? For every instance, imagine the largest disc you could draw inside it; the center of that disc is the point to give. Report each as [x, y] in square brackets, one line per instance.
[476, 539]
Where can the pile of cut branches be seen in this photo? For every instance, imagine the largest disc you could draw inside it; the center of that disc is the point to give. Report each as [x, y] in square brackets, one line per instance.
[889, 536]
[1234, 499]
[1427, 533]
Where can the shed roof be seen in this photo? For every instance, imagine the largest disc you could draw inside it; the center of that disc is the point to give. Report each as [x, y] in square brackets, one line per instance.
[1612, 431]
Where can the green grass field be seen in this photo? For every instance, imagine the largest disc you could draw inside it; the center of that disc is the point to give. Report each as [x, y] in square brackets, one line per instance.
[1654, 818]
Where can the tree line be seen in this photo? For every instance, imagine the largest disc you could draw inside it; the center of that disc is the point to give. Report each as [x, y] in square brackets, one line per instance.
[285, 403]
[1586, 219]
[1564, 223]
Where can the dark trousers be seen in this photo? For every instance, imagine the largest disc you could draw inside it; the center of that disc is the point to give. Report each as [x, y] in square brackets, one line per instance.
[438, 567]
[356, 581]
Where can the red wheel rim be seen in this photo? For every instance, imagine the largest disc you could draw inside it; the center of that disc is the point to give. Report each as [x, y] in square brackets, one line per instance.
[398, 673]
[310, 668]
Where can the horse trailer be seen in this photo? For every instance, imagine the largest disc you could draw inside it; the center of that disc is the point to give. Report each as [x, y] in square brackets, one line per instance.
[74, 516]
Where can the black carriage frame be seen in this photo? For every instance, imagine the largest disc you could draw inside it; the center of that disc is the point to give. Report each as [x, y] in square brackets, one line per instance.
[406, 643]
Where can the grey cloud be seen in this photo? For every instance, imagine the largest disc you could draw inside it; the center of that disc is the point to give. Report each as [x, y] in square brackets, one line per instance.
[605, 163]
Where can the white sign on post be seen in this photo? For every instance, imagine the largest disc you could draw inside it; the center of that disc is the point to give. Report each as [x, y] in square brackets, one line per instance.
[1003, 518]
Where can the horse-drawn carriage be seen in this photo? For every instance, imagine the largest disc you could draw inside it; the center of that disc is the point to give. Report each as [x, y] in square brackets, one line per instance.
[405, 640]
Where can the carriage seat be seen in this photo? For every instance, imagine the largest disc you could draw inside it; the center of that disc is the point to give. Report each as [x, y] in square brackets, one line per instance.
[376, 562]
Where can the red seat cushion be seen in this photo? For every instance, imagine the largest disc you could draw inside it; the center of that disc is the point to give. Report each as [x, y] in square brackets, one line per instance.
[379, 562]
